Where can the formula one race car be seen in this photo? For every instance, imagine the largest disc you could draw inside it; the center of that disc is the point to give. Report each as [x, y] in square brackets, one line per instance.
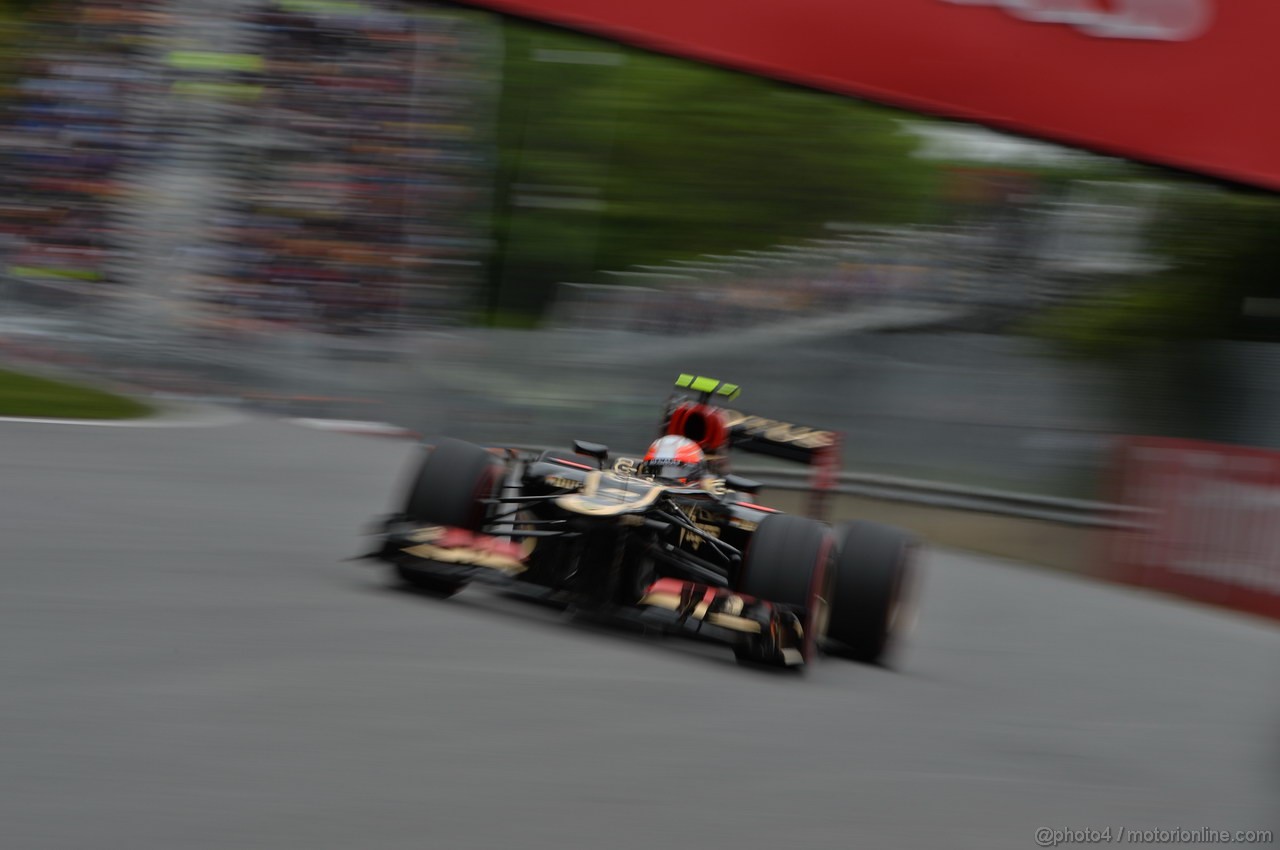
[670, 539]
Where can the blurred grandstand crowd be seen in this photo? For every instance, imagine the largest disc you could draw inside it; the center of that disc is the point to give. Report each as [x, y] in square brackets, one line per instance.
[226, 165]
[232, 168]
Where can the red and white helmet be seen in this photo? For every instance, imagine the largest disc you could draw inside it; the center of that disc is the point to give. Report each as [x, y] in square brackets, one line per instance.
[674, 459]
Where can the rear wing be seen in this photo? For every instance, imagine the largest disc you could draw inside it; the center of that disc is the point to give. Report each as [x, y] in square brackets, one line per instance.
[778, 439]
[716, 429]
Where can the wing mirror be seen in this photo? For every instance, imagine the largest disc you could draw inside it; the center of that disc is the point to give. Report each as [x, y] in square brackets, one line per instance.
[596, 450]
[738, 484]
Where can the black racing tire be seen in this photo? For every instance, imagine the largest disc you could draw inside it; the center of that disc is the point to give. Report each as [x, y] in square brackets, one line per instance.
[789, 562]
[873, 595]
[447, 489]
[450, 484]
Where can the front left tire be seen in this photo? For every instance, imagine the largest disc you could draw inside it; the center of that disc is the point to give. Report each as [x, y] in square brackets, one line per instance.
[451, 483]
[449, 488]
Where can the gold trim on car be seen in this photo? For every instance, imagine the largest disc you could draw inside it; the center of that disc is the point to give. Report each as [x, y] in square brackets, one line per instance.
[589, 500]
[470, 557]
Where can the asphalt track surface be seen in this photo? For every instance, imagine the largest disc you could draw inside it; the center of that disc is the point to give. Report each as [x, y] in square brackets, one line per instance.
[187, 663]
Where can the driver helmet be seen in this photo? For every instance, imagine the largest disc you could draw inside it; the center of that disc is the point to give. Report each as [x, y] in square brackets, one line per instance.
[674, 459]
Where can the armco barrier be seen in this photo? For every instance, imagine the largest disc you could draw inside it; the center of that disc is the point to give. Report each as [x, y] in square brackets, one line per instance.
[889, 488]
[1063, 534]
[1214, 524]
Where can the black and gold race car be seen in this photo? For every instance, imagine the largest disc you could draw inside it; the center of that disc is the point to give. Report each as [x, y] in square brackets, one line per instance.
[670, 539]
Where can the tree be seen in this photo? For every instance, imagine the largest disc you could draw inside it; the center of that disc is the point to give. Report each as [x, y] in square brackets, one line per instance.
[1163, 331]
[611, 156]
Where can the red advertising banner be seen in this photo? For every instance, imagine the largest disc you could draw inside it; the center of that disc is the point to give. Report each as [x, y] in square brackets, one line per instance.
[1213, 533]
[1183, 83]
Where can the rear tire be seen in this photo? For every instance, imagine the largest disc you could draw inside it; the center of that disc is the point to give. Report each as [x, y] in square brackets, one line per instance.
[448, 489]
[872, 597]
[788, 562]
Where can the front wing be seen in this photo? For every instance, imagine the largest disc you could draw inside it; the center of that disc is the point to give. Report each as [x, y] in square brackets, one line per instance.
[756, 628]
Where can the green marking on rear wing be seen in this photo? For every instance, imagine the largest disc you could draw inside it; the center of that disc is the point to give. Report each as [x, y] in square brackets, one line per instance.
[710, 386]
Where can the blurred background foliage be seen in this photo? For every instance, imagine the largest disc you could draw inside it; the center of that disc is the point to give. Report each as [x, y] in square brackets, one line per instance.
[1183, 339]
[13, 15]
[611, 156]
[1219, 249]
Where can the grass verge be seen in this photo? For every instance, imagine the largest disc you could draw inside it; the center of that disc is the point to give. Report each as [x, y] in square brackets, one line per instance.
[28, 395]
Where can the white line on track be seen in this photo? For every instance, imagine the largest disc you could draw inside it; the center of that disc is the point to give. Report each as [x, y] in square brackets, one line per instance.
[199, 420]
[354, 426]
